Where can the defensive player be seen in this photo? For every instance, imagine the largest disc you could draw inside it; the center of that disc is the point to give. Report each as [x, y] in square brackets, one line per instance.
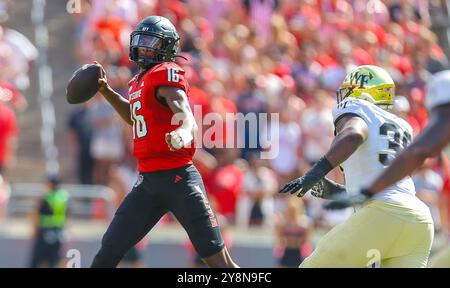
[396, 228]
[429, 143]
[167, 181]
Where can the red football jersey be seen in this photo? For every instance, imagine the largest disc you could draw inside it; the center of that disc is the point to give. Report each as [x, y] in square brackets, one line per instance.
[152, 119]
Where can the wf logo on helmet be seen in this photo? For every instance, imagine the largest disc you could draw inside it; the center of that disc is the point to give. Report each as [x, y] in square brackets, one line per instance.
[361, 79]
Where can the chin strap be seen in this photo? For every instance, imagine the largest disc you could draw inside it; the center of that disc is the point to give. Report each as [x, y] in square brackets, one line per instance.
[181, 56]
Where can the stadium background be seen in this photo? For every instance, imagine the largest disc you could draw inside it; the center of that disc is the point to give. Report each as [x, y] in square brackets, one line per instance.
[255, 56]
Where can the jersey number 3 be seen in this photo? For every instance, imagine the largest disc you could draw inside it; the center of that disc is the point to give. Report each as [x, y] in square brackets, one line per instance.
[398, 139]
[139, 125]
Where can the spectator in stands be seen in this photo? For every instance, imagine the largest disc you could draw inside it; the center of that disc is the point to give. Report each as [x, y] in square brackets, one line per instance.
[442, 259]
[293, 231]
[107, 143]
[287, 162]
[317, 126]
[224, 185]
[8, 136]
[256, 203]
[80, 135]
[12, 96]
[252, 101]
[428, 185]
[49, 220]
[25, 54]
[4, 197]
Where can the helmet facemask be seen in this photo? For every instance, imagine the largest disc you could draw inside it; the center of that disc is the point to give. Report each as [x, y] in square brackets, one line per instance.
[164, 48]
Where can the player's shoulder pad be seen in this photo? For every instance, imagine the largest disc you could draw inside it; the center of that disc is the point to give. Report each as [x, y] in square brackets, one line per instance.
[352, 106]
[438, 90]
[165, 66]
[168, 74]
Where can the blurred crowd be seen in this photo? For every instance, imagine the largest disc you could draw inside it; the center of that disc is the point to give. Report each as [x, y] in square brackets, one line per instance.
[250, 56]
[17, 54]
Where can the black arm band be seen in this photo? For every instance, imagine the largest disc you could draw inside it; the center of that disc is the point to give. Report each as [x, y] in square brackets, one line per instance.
[321, 168]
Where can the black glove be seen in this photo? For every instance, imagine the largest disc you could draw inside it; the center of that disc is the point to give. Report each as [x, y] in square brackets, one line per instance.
[327, 189]
[305, 183]
[348, 200]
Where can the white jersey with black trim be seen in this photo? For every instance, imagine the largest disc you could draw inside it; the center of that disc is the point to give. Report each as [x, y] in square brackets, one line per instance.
[438, 90]
[388, 134]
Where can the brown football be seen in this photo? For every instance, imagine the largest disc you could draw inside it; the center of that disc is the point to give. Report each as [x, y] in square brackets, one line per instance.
[84, 84]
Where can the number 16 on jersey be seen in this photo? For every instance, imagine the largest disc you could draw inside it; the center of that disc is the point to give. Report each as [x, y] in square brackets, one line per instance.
[139, 125]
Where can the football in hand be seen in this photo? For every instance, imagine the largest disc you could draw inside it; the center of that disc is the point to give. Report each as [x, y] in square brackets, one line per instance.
[84, 83]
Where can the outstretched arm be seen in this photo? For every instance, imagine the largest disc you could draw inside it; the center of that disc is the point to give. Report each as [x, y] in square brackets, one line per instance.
[351, 131]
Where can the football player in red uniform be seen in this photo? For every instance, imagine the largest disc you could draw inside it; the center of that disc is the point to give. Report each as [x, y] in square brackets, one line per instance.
[167, 182]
